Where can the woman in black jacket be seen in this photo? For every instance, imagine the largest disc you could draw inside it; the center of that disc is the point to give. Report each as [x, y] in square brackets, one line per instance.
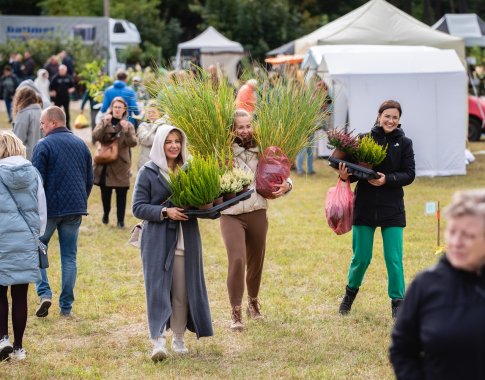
[440, 329]
[380, 203]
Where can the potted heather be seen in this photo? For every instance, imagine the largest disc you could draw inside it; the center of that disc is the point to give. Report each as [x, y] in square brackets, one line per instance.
[369, 153]
[344, 143]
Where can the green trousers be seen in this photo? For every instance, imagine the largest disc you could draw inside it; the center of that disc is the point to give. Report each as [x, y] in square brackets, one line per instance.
[362, 244]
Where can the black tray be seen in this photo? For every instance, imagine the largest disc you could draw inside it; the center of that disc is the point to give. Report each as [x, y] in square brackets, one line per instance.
[215, 212]
[356, 170]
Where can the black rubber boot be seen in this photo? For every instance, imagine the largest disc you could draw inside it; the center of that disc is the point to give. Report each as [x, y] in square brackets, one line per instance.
[395, 305]
[347, 301]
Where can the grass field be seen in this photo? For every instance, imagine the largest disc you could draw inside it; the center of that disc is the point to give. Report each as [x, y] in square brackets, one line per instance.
[304, 278]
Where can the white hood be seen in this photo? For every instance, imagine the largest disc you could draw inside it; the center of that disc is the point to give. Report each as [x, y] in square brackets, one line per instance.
[157, 154]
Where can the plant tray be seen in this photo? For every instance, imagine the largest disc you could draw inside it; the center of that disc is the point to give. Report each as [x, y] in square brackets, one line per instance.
[215, 212]
[356, 170]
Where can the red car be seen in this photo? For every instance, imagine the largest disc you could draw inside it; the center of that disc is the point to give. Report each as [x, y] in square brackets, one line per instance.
[476, 117]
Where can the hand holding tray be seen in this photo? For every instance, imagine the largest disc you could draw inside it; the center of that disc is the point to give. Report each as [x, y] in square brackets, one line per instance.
[215, 212]
[356, 170]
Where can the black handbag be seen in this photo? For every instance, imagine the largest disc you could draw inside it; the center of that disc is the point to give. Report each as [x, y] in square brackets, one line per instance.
[41, 247]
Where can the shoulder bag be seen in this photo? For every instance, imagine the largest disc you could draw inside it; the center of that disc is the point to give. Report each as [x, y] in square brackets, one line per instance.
[106, 153]
[42, 248]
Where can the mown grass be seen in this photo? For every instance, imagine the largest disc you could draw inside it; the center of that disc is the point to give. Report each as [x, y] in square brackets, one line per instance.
[304, 278]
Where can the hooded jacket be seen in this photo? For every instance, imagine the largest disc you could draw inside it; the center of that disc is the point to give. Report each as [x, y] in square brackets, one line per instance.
[119, 88]
[159, 242]
[146, 135]
[26, 127]
[440, 329]
[384, 205]
[19, 260]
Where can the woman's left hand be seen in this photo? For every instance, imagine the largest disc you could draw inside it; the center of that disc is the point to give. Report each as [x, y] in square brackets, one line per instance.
[379, 181]
[283, 188]
[124, 124]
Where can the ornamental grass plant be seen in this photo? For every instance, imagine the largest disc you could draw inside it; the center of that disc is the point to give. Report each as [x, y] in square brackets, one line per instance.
[198, 185]
[202, 109]
[369, 151]
[287, 115]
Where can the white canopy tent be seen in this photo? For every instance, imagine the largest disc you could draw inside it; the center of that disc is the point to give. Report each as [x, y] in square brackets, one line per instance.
[429, 84]
[211, 48]
[468, 25]
[379, 23]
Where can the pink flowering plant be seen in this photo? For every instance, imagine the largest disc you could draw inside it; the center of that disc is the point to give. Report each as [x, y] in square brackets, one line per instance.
[343, 140]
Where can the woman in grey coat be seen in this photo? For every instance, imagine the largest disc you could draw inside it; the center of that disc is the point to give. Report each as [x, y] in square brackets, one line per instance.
[26, 123]
[171, 250]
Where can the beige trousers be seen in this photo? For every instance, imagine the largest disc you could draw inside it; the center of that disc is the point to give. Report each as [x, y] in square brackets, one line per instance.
[178, 319]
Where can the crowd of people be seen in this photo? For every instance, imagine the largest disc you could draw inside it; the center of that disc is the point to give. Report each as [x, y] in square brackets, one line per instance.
[47, 174]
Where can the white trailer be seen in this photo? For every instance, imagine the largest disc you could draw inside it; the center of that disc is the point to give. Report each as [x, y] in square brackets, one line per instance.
[109, 35]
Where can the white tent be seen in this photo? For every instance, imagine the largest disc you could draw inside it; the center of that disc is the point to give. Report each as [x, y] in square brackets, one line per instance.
[431, 87]
[379, 23]
[468, 25]
[211, 48]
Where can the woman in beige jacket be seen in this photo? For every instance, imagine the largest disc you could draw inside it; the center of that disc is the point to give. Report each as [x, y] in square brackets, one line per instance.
[244, 227]
[115, 175]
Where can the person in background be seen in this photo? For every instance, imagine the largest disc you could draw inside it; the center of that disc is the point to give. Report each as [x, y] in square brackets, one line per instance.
[67, 60]
[115, 175]
[19, 255]
[146, 132]
[65, 165]
[8, 85]
[246, 97]
[28, 67]
[380, 203]
[61, 88]
[93, 111]
[171, 250]
[244, 227]
[439, 331]
[52, 66]
[42, 83]
[120, 89]
[17, 66]
[27, 107]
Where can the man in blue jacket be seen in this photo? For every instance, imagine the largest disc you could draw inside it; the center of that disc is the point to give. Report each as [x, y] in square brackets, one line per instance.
[119, 88]
[65, 165]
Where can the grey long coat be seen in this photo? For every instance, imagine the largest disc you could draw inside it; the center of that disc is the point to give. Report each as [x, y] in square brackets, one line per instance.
[158, 244]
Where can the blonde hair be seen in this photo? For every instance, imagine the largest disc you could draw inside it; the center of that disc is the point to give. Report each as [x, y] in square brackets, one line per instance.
[240, 113]
[467, 202]
[10, 145]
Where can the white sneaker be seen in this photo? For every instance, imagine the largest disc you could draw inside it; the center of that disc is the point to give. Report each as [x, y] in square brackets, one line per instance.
[18, 354]
[159, 352]
[5, 348]
[178, 346]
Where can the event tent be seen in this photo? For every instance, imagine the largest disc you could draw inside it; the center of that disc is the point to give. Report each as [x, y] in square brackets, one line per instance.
[429, 84]
[379, 23]
[469, 26]
[211, 48]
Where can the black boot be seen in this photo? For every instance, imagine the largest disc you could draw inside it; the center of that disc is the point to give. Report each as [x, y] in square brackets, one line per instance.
[395, 305]
[347, 301]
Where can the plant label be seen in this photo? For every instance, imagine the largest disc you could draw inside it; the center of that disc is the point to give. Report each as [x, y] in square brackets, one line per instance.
[430, 208]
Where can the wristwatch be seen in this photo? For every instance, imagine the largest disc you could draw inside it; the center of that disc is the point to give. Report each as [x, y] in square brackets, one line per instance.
[164, 213]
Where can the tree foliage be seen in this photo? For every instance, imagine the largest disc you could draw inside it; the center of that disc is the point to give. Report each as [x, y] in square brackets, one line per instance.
[260, 25]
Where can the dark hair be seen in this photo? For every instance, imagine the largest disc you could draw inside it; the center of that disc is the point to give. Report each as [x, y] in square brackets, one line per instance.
[390, 104]
[121, 75]
[7, 67]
